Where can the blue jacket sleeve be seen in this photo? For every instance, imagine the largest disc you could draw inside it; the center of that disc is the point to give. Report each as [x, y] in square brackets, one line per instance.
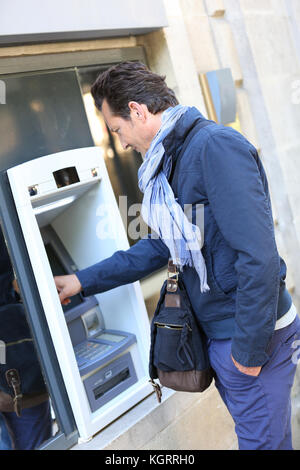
[239, 199]
[124, 267]
[7, 293]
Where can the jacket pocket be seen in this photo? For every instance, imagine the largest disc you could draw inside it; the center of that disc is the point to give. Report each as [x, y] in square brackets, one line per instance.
[222, 272]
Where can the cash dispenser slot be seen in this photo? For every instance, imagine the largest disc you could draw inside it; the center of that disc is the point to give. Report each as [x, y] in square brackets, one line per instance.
[108, 382]
[111, 383]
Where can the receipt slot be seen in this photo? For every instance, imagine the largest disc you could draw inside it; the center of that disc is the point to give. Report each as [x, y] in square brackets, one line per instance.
[70, 220]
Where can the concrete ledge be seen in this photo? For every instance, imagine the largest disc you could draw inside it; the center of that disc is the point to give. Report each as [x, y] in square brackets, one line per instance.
[182, 421]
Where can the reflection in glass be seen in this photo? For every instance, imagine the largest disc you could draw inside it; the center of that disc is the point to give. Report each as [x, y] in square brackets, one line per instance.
[43, 114]
[122, 166]
[26, 415]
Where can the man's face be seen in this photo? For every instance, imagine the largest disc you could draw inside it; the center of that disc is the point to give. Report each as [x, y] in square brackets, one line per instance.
[136, 132]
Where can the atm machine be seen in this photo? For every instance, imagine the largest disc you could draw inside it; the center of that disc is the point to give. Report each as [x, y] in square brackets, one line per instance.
[70, 219]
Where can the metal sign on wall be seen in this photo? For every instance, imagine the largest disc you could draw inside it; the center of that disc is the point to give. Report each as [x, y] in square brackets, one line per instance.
[38, 21]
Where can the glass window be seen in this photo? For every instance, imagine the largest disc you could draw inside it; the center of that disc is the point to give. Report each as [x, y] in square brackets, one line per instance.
[30, 421]
[122, 165]
[43, 114]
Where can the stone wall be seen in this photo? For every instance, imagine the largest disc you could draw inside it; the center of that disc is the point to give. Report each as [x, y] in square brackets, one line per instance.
[260, 42]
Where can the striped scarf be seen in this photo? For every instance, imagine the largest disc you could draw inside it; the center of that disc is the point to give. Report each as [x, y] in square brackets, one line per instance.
[160, 210]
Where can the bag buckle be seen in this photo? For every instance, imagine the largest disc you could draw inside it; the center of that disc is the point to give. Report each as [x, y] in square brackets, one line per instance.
[13, 380]
[172, 285]
[172, 279]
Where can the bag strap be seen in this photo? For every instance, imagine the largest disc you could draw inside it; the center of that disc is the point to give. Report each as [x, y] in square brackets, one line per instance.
[199, 124]
[172, 274]
[174, 284]
[172, 277]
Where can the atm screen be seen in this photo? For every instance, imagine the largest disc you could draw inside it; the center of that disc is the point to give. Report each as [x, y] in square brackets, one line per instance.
[58, 269]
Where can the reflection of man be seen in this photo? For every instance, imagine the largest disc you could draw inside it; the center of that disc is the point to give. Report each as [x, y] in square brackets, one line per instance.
[34, 426]
[236, 282]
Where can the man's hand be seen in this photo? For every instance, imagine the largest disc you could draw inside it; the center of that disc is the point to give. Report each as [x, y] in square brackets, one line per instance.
[67, 286]
[254, 371]
[15, 286]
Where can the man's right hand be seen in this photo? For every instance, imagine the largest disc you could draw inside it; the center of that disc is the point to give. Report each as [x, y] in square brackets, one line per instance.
[67, 286]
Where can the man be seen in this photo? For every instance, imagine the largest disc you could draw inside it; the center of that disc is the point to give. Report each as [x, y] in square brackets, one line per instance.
[236, 280]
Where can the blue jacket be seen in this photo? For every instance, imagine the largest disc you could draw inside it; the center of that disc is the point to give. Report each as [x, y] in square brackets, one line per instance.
[7, 293]
[221, 170]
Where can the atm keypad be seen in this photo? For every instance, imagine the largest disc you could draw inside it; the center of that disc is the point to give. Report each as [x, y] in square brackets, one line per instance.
[90, 351]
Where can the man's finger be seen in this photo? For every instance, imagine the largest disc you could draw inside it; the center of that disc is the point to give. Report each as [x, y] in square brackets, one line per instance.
[63, 297]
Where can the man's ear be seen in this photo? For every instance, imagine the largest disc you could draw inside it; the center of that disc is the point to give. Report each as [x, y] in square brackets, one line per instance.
[137, 110]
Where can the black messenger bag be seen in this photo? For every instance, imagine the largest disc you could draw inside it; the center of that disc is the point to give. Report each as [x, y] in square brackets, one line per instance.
[178, 352]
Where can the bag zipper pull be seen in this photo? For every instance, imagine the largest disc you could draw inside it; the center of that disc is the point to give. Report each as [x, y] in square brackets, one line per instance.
[157, 390]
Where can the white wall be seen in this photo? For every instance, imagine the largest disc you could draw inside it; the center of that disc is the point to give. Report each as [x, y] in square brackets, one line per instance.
[61, 19]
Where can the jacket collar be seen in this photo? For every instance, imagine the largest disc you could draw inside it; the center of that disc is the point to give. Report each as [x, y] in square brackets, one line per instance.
[174, 141]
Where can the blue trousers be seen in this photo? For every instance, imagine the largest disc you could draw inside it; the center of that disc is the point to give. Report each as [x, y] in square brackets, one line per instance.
[31, 429]
[260, 406]
[5, 442]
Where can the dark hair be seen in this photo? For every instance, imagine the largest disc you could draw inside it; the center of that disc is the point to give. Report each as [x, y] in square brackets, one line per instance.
[132, 81]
